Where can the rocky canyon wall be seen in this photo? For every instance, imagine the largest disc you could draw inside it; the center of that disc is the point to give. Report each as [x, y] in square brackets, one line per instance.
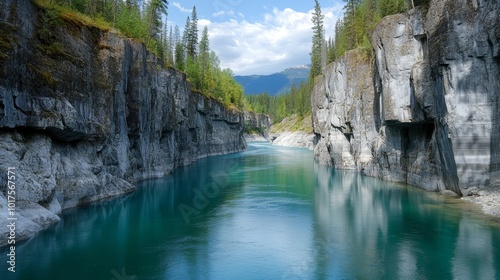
[85, 113]
[425, 109]
[257, 126]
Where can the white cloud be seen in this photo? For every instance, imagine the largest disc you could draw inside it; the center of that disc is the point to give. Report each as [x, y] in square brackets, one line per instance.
[228, 13]
[223, 13]
[182, 9]
[203, 22]
[282, 40]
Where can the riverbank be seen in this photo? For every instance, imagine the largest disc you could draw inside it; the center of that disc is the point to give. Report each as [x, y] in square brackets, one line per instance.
[488, 198]
[297, 139]
[293, 131]
[257, 127]
[255, 137]
[256, 212]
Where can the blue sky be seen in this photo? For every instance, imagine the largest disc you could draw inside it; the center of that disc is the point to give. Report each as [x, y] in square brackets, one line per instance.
[257, 37]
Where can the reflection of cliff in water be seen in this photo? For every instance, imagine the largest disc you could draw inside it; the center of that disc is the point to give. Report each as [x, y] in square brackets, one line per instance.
[362, 225]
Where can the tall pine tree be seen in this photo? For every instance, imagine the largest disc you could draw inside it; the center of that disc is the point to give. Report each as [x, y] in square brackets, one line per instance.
[179, 56]
[185, 36]
[204, 58]
[156, 9]
[317, 40]
[192, 41]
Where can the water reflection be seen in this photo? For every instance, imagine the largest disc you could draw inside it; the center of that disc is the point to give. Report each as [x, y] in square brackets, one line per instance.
[266, 213]
[369, 229]
[473, 258]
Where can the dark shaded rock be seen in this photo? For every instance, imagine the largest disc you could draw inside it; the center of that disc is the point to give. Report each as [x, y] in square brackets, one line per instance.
[85, 113]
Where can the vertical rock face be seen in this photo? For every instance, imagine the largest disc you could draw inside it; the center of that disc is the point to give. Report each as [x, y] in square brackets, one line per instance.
[84, 113]
[343, 112]
[464, 55]
[257, 124]
[426, 113]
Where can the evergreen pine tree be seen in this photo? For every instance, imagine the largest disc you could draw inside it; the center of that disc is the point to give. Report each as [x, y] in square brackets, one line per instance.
[179, 56]
[156, 9]
[171, 46]
[192, 41]
[185, 37]
[204, 57]
[317, 40]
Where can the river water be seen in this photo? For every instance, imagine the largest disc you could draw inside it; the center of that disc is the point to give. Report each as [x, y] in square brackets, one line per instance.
[266, 213]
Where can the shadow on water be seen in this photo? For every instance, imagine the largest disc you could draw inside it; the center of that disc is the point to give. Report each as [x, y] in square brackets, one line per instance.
[266, 213]
[131, 231]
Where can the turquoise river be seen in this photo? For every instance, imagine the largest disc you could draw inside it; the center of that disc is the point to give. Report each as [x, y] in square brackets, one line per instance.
[266, 213]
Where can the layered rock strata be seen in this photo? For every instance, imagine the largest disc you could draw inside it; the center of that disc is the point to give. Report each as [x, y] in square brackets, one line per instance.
[85, 113]
[425, 111]
[257, 126]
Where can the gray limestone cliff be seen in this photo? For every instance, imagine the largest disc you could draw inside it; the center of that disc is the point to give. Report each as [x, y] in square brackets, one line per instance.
[425, 111]
[85, 113]
[257, 126]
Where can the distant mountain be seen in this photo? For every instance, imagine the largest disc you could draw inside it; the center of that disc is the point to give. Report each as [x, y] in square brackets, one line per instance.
[275, 83]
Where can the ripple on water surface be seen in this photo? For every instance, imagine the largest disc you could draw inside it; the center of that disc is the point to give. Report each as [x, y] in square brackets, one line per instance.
[276, 214]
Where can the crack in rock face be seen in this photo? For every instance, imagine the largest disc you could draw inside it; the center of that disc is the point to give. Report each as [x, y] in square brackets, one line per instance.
[85, 113]
[425, 112]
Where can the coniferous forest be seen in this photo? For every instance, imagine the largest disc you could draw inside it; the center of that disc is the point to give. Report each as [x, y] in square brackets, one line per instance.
[351, 32]
[146, 21]
[360, 18]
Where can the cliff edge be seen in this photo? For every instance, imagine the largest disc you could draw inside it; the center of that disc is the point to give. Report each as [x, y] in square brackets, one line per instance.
[257, 126]
[425, 111]
[85, 113]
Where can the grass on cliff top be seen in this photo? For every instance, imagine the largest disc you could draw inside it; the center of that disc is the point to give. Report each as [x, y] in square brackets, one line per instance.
[293, 123]
[71, 15]
[228, 106]
[59, 13]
